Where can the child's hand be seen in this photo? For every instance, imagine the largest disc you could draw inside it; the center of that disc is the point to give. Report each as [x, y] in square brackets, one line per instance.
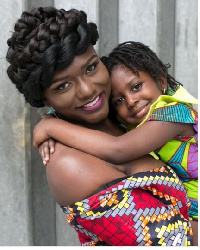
[39, 133]
[45, 149]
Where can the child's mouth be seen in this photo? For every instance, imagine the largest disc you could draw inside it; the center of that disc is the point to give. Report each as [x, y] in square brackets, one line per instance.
[141, 111]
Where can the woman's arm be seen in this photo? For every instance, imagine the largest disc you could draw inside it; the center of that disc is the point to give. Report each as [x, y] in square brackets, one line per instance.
[117, 150]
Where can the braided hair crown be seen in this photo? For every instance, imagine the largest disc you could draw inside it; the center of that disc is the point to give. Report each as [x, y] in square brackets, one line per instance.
[139, 57]
[46, 40]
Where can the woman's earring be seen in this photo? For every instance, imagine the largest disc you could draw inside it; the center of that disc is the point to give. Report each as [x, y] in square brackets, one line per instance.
[164, 90]
[52, 112]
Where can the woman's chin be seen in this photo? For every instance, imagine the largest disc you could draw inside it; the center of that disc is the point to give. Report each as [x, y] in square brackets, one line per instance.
[98, 117]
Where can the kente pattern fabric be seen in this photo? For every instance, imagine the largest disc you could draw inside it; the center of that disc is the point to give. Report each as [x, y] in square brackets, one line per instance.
[146, 209]
[180, 153]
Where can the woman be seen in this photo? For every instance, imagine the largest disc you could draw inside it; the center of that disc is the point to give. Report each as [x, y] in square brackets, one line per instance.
[53, 63]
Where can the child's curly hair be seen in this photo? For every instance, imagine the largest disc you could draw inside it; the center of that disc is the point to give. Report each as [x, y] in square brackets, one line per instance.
[139, 57]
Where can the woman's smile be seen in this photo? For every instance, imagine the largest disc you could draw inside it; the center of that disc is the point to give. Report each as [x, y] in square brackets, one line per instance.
[93, 105]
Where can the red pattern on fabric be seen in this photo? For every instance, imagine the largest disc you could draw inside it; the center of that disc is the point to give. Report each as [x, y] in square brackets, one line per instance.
[149, 208]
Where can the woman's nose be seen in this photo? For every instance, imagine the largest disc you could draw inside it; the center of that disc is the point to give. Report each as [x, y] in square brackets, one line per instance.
[85, 88]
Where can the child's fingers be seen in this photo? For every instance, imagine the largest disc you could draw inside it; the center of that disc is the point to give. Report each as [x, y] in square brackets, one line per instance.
[44, 163]
[41, 152]
[52, 145]
[46, 151]
[40, 149]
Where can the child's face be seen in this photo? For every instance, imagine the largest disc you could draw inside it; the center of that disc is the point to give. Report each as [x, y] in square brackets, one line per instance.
[133, 95]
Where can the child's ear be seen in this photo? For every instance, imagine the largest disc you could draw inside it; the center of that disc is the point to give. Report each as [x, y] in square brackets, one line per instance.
[162, 83]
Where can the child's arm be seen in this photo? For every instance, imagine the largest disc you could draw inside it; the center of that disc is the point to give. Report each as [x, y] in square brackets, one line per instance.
[117, 150]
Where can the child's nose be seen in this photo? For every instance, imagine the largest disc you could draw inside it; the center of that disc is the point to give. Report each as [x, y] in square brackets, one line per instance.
[131, 101]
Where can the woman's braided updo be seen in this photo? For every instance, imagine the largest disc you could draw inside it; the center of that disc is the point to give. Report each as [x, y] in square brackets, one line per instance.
[139, 57]
[46, 40]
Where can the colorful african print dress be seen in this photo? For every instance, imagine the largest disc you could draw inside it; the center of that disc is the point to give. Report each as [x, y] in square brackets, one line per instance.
[146, 209]
[180, 153]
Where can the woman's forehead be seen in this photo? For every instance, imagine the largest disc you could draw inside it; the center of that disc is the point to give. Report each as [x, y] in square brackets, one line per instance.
[79, 63]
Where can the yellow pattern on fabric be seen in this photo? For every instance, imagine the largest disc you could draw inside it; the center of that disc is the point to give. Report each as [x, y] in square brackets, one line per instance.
[181, 95]
[169, 228]
[108, 200]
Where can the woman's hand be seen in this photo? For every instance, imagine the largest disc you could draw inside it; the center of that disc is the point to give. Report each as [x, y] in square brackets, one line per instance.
[45, 149]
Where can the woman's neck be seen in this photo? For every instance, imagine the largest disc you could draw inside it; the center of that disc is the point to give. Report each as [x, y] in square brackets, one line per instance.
[108, 127]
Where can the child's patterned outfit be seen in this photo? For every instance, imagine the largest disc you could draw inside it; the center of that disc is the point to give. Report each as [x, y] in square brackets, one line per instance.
[181, 152]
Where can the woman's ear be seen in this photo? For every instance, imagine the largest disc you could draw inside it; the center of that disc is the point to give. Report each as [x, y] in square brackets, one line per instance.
[46, 103]
[162, 83]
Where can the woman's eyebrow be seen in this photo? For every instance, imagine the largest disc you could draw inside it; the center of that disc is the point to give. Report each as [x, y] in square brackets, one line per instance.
[59, 79]
[82, 67]
[88, 61]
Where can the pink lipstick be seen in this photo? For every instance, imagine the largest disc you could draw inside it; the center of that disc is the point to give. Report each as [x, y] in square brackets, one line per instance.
[93, 105]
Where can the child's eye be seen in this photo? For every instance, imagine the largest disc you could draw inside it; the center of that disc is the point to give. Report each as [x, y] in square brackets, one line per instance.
[137, 86]
[91, 67]
[63, 86]
[119, 101]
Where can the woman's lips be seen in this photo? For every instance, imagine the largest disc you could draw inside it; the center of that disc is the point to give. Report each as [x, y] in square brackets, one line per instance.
[93, 105]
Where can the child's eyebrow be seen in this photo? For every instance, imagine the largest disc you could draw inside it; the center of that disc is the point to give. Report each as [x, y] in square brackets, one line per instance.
[134, 80]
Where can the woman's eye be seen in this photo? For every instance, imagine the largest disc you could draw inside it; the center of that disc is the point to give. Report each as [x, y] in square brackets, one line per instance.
[91, 68]
[63, 86]
[137, 86]
[119, 100]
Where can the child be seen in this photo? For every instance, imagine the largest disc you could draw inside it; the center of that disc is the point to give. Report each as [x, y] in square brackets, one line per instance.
[142, 91]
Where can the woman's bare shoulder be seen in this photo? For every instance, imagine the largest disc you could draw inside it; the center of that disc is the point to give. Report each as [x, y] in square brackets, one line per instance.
[62, 174]
[74, 175]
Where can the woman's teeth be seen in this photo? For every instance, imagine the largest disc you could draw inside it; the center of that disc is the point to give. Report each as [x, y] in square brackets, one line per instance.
[91, 103]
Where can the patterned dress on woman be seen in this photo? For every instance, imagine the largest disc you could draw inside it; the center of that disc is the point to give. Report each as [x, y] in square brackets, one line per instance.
[146, 209]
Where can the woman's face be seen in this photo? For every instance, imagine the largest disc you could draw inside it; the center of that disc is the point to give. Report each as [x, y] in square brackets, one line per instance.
[81, 91]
